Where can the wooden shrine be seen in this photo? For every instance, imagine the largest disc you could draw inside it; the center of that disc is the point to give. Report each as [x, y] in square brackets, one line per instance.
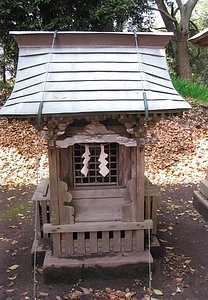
[95, 95]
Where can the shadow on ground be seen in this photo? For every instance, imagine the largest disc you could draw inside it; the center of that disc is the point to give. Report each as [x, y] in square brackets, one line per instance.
[180, 271]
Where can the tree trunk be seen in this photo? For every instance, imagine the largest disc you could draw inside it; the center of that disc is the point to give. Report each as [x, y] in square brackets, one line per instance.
[180, 29]
[182, 58]
[4, 74]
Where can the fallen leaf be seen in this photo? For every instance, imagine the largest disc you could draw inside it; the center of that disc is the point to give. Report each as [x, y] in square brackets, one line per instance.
[169, 248]
[187, 261]
[14, 267]
[163, 230]
[178, 289]
[10, 290]
[75, 294]
[148, 297]
[12, 278]
[11, 284]
[40, 271]
[42, 294]
[179, 279]
[85, 291]
[158, 292]
[13, 226]
[14, 242]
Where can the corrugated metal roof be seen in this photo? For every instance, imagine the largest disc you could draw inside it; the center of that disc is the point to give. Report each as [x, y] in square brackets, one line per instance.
[85, 72]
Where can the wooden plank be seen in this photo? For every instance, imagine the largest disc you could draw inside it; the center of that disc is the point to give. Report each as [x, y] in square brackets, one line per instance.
[69, 244]
[80, 242]
[65, 208]
[148, 201]
[97, 226]
[128, 240]
[127, 213]
[124, 168]
[93, 242]
[140, 184]
[71, 177]
[116, 241]
[133, 162]
[56, 243]
[43, 206]
[96, 192]
[64, 164]
[105, 241]
[38, 225]
[53, 186]
[95, 210]
[140, 240]
[54, 199]
[40, 191]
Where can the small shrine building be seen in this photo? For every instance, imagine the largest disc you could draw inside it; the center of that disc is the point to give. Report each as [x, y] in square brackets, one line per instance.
[94, 95]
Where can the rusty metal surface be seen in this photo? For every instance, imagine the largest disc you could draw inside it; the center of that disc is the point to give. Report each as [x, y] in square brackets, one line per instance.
[91, 72]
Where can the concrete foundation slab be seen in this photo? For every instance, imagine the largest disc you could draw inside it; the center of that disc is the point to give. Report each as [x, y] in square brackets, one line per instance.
[105, 266]
[200, 202]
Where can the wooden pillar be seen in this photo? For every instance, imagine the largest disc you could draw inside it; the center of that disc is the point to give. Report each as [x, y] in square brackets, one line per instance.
[55, 220]
[140, 194]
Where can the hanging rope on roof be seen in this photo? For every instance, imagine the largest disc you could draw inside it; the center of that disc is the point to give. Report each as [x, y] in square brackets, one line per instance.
[38, 142]
[146, 126]
[40, 109]
[142, 79]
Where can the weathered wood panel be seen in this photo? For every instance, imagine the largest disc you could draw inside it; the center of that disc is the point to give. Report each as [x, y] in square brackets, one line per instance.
[55, 214]
[105, 242]
[116, 241]
[98, 226]
[93, 242]
[124, 166]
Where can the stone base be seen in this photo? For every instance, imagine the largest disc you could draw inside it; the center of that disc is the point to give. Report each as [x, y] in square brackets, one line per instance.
[200, 202]
[39, 248]
[155, 248]
[70, 270]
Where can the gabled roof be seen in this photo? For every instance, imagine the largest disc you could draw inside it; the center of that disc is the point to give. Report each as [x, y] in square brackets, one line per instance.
[200, 39]
[91, 72]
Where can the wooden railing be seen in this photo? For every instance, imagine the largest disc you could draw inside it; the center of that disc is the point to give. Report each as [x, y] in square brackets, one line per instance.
[95, 237]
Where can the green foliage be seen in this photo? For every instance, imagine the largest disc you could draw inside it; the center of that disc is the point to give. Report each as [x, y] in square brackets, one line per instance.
[96, 15]
[192, 90]
[13, 212]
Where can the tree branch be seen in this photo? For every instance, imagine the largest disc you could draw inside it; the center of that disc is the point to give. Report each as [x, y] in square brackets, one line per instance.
[164, 12]
[189, 6]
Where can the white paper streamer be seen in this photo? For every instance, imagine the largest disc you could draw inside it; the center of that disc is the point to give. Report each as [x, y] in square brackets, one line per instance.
[103, 162]
[86, 157]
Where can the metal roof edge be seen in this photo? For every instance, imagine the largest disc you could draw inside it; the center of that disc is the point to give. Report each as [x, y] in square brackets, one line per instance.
[160, 33]
[199, 35]
[90, 38]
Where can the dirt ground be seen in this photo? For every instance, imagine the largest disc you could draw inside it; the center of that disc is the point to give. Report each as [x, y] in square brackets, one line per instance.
[180, 271]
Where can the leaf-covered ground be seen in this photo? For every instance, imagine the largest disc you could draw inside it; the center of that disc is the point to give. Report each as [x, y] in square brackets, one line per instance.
[180, 154]
[177, 162]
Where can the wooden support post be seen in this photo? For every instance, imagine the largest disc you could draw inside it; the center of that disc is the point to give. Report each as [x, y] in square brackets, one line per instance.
[54, 198]
[93, 242]
[140, 195]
